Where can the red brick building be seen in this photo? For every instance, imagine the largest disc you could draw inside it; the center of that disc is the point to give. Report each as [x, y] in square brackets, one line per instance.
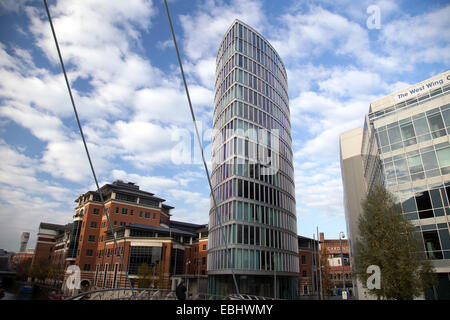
[51, 244]
[332, 249]
[308, 265]
[145, 234]
[23, 258]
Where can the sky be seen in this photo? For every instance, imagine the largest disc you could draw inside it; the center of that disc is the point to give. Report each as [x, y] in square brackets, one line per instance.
[124, 74]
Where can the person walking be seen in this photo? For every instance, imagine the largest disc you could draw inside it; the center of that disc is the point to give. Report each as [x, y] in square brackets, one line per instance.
[181, 291]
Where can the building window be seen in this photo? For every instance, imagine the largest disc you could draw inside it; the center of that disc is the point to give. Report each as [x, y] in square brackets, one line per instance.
[140, 214]
[115, 223]
[124, 210]
[93, 224]
[204, 247]
[117, 209]
[91, 238]
[96, 211]
[154, 216]
[148, 255]
[87, 267]
[147, 215]
[131, 212]
[432, 245]
[303, 259]
[304, 273]
[89, 253]
[203, 260]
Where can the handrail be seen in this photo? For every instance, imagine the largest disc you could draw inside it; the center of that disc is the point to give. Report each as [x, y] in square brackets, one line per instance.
[164, 294]
[80, 295]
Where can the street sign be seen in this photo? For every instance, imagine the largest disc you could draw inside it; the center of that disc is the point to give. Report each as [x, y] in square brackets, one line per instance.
[344, 295]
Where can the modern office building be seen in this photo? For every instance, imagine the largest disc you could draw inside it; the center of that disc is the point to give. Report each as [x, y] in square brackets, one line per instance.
[405, 145]
[24, 241]
[252, 171]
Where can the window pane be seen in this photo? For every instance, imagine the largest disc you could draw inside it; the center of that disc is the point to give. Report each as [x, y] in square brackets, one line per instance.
[423, 201]
[394, 135]
[239, 233]
[383, 138]
[421, 126]
[409, 205]
[408, 134]
[432, 245]
[429, 160]
[245, 266]
[246, 234]
[446, 115]
[436, 198]
[415, 164]
[401, 168]
[436, 122]
[407, 131]
[444, 157]
[239, 258]
[445, 239]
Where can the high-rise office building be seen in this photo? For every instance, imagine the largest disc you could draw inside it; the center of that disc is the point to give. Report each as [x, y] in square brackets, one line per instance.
[405, 145]
[24, 241]
[252, 171]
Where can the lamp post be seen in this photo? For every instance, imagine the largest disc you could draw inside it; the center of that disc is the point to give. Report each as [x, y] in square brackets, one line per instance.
[187, 286]
[342, 236]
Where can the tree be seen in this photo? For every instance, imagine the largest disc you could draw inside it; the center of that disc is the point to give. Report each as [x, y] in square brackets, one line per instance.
[56, 272]
[40, 269]
[23, 269]
[389, 241]
[325, 266]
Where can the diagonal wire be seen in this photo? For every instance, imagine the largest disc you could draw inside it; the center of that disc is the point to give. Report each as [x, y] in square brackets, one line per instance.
[86, 148]
[201, 148]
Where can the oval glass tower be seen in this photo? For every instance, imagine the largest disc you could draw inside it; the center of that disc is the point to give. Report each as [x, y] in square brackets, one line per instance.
[252, 172]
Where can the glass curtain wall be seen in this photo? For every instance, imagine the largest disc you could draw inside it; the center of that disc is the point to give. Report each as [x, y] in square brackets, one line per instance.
[252, 170]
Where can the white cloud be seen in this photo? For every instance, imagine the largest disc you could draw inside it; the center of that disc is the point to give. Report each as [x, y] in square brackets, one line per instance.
[194, 205]
[313, 33]
[26, 198]
[422, 37]
[204, 30]
[215, 18]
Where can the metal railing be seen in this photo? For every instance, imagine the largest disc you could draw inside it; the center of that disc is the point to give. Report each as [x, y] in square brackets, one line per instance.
[155, 294]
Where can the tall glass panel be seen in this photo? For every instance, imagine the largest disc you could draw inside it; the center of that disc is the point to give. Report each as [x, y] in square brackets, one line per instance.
[262, 150]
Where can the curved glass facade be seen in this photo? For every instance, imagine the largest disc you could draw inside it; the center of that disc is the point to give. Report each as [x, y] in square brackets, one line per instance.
[252, 171]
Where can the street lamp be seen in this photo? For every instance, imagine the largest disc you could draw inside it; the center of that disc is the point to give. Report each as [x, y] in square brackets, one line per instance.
[187, 287]
[342, 236]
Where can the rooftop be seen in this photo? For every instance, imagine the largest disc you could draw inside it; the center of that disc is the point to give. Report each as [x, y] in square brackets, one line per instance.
[181, 229]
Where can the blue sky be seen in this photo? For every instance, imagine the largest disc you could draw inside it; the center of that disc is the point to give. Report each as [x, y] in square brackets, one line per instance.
[128, 91]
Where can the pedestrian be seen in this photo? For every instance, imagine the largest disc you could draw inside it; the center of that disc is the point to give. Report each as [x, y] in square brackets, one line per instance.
[181, 291]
